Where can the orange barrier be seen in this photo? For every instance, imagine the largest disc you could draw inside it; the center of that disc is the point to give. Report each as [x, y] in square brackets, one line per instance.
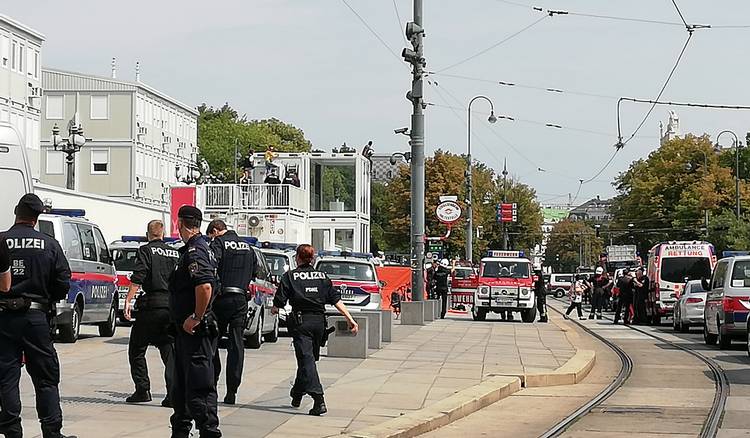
[397, 279]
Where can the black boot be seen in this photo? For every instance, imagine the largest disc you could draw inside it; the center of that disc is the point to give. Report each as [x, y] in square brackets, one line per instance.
[296, 398]
[319, 407]
[167, 402]
[139, 396]
[230, 398]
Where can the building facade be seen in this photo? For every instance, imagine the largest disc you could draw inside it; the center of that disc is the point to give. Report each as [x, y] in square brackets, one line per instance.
[382, 169]
[596, 210]
[139, 140]
[20, 83]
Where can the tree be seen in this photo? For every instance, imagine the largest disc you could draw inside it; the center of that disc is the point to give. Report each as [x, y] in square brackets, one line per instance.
[382, 236]
[220, 129]
[729, 234]
[572, 244]
[445, 175]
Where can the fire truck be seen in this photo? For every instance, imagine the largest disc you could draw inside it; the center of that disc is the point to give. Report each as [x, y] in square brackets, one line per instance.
[506, 283]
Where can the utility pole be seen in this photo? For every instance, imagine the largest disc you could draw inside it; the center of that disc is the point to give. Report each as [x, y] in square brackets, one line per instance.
[415, 57]
[505, 200]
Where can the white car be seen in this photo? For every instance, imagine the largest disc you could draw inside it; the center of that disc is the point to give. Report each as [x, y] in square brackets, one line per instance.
[688, 309]
[280, 261]
[355, 277]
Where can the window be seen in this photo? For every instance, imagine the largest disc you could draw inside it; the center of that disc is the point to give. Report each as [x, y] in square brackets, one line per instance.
[55, 104]
[261, 268]
[54, 162]
[71, 241]
[99, 161]
[344, 239]
[46, 227]
[277, 264]
[346, 270]
[14, 55]
[125, 259]
[87, 242]
[37, 65]
[719, 274]
[99, 107]
[4, 50]
[30, 66]
[101, 244]
[21, 59]
[505, 269]
[677, 269]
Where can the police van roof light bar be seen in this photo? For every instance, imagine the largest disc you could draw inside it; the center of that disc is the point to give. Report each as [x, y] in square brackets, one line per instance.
[70, 212]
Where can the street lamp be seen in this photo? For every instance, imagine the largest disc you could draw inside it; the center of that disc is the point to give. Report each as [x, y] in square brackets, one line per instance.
[469, 209]
[396, 155]
[70, 147]
[736, 146]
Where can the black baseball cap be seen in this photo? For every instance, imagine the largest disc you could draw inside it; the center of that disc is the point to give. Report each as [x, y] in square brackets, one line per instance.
[189, 212]
[29, 206]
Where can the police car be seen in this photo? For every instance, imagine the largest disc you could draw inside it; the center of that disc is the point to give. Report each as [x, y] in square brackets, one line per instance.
[124, 255]
[280, 258]
[92, 298]
[355, 276]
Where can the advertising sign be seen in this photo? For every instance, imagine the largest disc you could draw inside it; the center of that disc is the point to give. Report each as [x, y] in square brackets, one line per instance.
[448, 212]
[179, 196]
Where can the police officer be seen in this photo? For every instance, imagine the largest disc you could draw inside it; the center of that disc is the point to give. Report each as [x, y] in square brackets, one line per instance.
[308, 291]
[5, 277]
[155, 262]
[236, 269]
[540, 291]
[40, 276]
[442, 278]
[191, 288]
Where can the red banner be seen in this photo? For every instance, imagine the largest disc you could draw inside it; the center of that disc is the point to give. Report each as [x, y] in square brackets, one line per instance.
[179, 196]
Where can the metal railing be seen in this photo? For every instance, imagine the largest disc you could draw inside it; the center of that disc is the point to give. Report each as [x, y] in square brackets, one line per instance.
[242, 197]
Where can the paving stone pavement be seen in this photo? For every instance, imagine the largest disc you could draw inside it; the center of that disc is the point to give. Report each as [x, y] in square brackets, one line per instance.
[423, 365]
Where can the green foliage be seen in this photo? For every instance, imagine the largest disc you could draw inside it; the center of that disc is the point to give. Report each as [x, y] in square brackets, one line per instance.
[728, 233]
[338, 185]
[220, 129]
[572, 244]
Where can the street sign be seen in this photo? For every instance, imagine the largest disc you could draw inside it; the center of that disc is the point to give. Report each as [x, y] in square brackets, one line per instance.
[507, 212]
[448, 212]
[446, 198]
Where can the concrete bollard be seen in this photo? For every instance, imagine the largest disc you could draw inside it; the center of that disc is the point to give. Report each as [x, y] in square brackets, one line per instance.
[429, 310]
[342, 343]
[437, 309]
[387, 318]
[374, 328]
[412, 313]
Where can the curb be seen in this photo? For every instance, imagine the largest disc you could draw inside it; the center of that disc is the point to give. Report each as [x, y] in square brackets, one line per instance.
[446, 411]
[570, 373]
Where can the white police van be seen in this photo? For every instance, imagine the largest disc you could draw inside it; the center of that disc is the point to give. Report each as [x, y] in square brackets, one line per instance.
[92, 298]
[15, 173]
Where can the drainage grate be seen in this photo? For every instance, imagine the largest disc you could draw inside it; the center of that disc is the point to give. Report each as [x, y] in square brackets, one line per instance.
[630, 410]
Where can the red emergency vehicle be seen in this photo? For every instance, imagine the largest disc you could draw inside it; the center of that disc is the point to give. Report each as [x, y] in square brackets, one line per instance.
[464, 283]
[506, 283]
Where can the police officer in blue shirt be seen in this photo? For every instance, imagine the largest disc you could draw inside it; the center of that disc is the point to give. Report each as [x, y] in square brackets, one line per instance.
[154, 264]
[308, 291]
[40, 276]
[236, 268]
[191, 289]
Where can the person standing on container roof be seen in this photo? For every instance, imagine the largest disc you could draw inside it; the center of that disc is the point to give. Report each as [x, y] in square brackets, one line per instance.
[155, 263]
[40, 276]
[308, 291]
[236, 269]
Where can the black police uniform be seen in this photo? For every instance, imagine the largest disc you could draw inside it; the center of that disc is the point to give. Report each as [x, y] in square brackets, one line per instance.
[194, 388]
[625, 284]
[236, 269]
[540, 291]
[40, 277]
[442, 277]
[155, 263]
[308, 291]
[4, 258]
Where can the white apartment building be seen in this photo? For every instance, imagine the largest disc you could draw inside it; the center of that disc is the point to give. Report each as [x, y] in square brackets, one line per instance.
[20, 82]
[140, 141]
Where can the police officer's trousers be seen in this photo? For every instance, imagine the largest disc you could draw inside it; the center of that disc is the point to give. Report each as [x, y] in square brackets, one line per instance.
[28, 333]
[306, 338]
[443, 295]
[597, 301]
[541, 306]
[151, 327]
[194, 391]
[623, 305]
[231, 310]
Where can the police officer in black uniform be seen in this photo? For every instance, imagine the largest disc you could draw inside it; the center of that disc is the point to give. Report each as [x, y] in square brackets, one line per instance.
[191, 290]
[40, 276]
[155, 262]
[236, 268]
[308, 291]
[540, 291]
[5, 277]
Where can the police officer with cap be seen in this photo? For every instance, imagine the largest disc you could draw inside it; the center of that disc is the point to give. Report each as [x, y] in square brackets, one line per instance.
[191, 289]
[40, 276]
[308, 291]
[155, 262]
[236, 268]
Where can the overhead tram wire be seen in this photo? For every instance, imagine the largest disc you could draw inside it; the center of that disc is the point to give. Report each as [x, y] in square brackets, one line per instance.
[400, 23]
[375, 34]
[499, 43]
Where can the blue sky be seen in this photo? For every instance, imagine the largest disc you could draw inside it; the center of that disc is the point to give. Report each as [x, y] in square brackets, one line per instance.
[315, 65]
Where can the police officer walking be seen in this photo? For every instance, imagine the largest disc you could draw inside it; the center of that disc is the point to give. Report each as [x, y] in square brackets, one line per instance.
[155, 263]
[236, 269]
[442, 278]
[40, 276]
[540, 291]
[308, 291]
[191, 289]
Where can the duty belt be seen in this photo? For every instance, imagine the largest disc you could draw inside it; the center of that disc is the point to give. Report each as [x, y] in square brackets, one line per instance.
[38, 306]
[232, 290]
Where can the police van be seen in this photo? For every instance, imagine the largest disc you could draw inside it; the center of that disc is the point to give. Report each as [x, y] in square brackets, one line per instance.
[355, 276]
[15, 173]
[262, 325]
[124, 256]
[92, 298]
[280, 258]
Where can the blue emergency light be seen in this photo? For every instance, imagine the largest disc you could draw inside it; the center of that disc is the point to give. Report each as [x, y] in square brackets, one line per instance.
[358, 255]
[280, 246]
[145, 239]
[70, 212]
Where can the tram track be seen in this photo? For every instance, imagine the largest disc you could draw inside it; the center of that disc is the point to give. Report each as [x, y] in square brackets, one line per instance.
[721, 383]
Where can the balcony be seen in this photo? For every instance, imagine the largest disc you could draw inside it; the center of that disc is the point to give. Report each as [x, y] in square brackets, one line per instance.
[251, 197]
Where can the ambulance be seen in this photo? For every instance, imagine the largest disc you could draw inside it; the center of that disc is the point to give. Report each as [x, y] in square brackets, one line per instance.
[670, 266]
[506, 283]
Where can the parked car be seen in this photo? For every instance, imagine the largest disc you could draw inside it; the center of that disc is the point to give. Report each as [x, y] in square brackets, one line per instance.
[559, 284]
[727, 302]
[92, 298]
[689, 308]
[262, 325]
[280, 261]
[355, 276]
